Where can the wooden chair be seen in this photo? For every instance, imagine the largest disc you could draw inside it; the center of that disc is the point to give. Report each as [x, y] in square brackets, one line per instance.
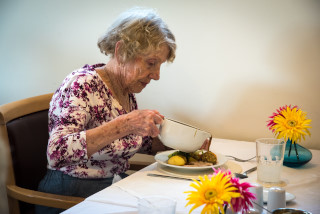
[24, 132]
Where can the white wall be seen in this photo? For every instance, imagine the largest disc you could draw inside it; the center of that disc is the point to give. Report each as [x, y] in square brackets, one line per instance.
[237, 61]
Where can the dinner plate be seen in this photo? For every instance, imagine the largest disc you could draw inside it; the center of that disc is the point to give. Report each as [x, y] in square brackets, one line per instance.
[162, 158]
[289, 196]
[183, 173]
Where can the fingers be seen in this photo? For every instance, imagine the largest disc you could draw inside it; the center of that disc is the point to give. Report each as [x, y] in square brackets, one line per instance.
[158, 118]
[156, 113]
[144, 122]
[206, 145]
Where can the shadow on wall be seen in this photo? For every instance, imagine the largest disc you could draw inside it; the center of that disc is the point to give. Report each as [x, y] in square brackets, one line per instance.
[294, 62]
[297, 56]
[297, 62]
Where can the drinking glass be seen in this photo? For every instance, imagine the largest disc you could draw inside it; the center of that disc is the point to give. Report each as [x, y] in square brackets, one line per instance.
[156, 205]
[270, 154]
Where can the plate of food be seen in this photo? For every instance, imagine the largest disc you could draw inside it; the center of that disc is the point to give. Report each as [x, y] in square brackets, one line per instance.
[198, 160]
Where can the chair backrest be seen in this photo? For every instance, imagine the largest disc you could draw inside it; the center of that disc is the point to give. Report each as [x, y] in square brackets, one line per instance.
[24, 129]
[28, 137]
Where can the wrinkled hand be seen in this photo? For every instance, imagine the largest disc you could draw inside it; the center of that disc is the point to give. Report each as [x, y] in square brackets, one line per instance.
[144, 122]
[206, 144]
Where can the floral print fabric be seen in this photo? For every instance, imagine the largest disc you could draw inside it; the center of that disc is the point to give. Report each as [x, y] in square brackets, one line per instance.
[83, 102]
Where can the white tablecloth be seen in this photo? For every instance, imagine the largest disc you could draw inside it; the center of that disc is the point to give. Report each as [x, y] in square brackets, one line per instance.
[122, 197]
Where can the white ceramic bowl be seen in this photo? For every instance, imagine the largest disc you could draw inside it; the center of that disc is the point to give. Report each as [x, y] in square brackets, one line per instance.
[180, 136]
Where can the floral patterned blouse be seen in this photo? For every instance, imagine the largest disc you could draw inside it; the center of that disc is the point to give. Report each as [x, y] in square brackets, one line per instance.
[83, 102]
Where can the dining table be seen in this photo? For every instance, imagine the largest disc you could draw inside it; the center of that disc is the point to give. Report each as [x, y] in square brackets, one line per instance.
[302, 184]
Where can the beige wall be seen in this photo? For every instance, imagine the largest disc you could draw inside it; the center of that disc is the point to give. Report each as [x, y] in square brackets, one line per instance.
[237, 61]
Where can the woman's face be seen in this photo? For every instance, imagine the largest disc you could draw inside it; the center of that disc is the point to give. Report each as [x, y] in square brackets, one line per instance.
[138, 73]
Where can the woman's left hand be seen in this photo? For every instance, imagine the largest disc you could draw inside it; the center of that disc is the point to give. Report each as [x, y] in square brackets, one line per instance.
[206, 144]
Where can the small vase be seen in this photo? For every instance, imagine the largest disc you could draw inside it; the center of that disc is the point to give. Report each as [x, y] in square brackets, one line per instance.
[296, 155]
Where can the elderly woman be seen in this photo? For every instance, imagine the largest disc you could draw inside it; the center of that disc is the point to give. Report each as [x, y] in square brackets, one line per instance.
[94, 122]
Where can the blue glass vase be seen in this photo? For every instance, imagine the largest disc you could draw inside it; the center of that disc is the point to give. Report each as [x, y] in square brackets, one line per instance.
[296, 155]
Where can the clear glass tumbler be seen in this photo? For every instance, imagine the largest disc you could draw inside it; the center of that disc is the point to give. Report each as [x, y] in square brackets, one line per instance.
[270, 154]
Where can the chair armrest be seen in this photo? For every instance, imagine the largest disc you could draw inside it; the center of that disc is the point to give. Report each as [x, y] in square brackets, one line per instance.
[41, 198]
[139, 161]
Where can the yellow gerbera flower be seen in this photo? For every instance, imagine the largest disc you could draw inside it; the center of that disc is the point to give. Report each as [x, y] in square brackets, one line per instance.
[212, 192]
[291, 124]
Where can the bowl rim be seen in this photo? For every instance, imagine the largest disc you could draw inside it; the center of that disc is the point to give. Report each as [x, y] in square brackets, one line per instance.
[182, 123]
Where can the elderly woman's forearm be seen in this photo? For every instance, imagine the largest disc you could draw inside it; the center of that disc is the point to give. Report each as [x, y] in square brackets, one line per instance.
[104, 135]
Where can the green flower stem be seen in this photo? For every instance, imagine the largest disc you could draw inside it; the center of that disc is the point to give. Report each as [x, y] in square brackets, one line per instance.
[295, 147]
[290, 149]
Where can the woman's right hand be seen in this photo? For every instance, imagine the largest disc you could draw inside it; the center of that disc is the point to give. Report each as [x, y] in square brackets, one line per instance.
[139, 122]
[144, 122]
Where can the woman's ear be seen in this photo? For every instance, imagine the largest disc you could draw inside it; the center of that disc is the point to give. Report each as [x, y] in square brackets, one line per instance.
[117, 52]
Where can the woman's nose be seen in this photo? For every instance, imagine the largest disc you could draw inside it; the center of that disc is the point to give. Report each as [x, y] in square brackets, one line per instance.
[155, 75]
